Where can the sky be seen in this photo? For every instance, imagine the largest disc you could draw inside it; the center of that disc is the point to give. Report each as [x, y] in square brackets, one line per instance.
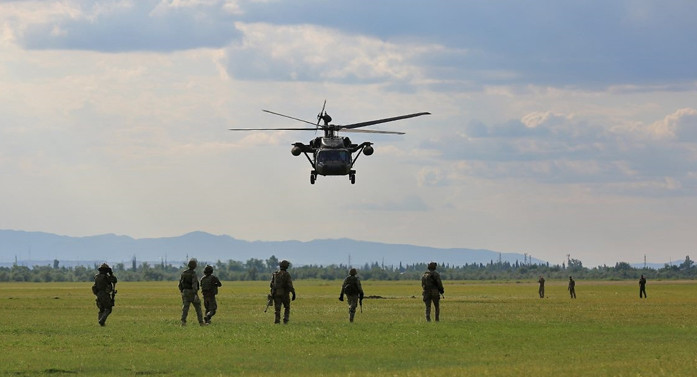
[557, 127]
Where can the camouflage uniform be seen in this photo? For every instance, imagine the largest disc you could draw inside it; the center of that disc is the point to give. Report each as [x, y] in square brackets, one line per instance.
[281, 288]
[541, 291]
[188, 286]
[354, 292]
[642, 286]
[432, 289]
[209, 288]
[104, 284]
[572, 287]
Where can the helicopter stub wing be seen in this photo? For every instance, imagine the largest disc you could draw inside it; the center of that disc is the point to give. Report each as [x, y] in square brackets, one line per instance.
[378, 121]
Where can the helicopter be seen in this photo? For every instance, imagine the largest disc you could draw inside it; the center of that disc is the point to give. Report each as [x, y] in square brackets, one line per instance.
[332, 154]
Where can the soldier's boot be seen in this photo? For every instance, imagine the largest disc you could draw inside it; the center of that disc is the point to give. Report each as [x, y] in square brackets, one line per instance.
[277, 318]
[183, 323]
[103, 317]
[351, 316]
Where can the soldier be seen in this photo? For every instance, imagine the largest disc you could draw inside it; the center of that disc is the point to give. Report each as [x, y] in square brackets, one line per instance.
[354, 292]
[281, 286]
[188, 286]
[432, 289]
[104, 285]
[541, 291]
[642, 286]
[209, 288]
[572, 287]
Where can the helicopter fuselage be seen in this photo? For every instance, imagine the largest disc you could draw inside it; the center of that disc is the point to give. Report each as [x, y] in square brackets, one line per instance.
[332, 155]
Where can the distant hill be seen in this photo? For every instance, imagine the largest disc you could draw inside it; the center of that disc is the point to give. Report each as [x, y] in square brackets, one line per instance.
[38, 248]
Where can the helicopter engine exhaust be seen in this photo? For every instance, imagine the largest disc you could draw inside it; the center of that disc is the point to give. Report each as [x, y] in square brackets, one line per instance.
[296, 151]
[368, 150]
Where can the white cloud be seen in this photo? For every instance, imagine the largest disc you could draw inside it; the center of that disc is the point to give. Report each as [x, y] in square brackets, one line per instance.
[680, 125]
[311, 53]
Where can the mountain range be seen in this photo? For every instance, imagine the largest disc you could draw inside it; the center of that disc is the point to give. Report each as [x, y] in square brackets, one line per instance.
[39, 248]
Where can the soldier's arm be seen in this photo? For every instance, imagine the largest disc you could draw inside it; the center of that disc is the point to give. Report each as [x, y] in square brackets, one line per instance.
[290, 285]
[217, 282]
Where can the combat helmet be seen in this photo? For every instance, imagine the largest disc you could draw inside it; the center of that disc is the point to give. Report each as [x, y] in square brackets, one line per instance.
[192, 263]
[353, 272]
[432, 266]
[208, 270]
[104, 267]
[284, 264]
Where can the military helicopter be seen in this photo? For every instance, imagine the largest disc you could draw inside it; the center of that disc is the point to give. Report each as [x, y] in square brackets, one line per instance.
[332, 154]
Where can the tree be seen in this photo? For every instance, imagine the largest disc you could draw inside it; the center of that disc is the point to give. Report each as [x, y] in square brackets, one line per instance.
[687, 264]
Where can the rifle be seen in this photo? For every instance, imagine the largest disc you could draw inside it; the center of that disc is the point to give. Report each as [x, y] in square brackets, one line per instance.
[113, 292]
[269, 302]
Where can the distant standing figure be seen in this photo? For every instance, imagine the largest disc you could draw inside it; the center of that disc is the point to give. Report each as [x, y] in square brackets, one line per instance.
[104, 284]
[188, 286]
[572, 287]
[209, 288]
[432, 289]
[642, 286]
[281, 287]
[354, 292]
[541, 291]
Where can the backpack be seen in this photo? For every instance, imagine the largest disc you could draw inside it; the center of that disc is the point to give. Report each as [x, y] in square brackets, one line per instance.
[208, 284]
[351, 286]
[428, 281]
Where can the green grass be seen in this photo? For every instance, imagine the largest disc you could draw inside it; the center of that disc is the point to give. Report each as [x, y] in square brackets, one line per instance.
[486, 329]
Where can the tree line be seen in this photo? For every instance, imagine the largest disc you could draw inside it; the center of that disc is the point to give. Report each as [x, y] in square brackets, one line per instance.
[261, 269]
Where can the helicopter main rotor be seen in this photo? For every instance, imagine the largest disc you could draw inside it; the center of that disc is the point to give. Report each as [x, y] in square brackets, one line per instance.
[330, 129]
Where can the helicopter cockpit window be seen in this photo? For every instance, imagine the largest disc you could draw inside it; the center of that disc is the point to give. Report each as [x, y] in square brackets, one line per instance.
[334, 155]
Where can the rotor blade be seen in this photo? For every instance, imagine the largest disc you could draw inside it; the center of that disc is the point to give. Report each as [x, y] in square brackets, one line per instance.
[272, 129]
[371, 122]
[354, 130]
[287, 116]
[319, 117]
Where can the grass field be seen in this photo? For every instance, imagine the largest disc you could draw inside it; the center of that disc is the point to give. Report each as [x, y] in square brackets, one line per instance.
[486, 329]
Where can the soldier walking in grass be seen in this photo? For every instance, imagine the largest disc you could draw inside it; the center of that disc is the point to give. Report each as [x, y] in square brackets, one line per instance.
[642, 286]
[572, 287]
[209, 288]
[432, 290]
[281, 289]
[541, 291]
[104, 288]
[188, 286]
[354, 292]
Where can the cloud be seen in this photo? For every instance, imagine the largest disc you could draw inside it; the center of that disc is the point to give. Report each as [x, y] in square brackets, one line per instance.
[680, 126]
[546, 147]
[120, 26]
[311, 53]
[447, 46]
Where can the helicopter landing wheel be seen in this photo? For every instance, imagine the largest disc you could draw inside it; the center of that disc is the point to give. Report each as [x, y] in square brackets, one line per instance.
[313, 177]
[352, 178]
